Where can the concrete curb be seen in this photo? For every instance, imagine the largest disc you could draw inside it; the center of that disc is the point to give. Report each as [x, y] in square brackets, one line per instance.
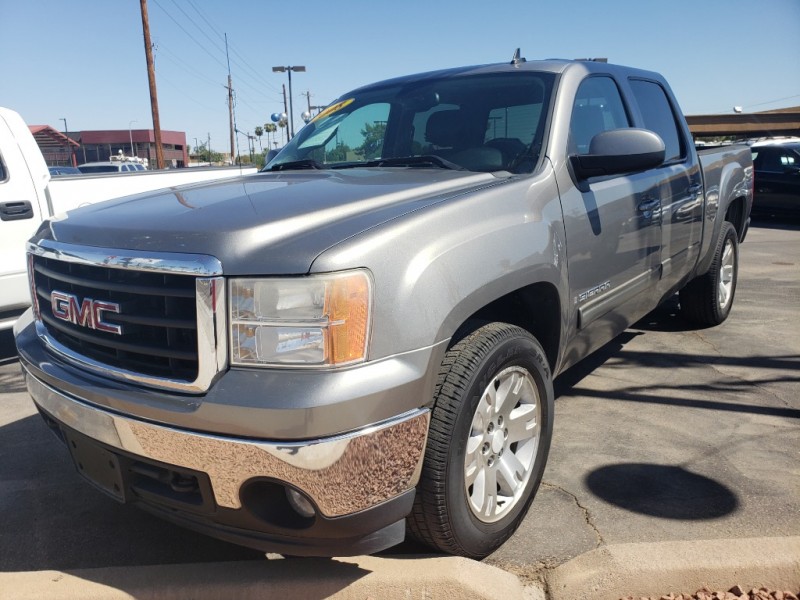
[653, 569]
[608, 573]
[358, 578]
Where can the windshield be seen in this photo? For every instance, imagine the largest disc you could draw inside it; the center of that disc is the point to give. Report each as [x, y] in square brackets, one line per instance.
[487, 122]
[98, 168]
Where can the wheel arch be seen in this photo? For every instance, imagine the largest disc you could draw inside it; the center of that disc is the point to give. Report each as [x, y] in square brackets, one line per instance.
[736, 214]
[535, 308]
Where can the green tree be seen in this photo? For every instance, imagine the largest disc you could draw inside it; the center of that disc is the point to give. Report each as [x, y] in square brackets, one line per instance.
[373, 135]
[337, 153]
[259, 131]
[202, 150]
[270, 129]
[282, 124]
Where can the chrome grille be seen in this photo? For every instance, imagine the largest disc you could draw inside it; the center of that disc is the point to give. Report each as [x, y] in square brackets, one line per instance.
[172, 335]
[157, 317]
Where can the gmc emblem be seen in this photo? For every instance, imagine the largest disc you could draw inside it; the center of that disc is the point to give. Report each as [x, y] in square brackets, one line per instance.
[88, 313]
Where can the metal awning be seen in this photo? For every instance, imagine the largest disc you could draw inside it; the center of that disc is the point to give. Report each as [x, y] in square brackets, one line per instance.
[51, 139]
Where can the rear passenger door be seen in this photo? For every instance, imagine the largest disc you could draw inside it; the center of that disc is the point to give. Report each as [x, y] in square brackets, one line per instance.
[680, 188]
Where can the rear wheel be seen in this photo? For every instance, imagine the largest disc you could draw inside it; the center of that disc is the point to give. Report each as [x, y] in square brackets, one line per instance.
[489, 438]
[707, 299]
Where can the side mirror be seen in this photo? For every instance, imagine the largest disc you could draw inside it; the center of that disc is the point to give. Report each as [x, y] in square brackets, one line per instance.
[619, 151]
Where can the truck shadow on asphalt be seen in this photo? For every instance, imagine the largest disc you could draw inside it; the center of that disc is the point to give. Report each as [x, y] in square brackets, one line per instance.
[672, 491]
[663, 491]
[667, 318]
[55, 520]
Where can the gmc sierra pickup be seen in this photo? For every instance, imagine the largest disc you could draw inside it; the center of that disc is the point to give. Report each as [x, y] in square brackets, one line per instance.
[362, 339]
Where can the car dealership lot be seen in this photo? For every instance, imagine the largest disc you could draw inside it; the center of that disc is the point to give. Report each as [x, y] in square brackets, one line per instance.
[668, 433]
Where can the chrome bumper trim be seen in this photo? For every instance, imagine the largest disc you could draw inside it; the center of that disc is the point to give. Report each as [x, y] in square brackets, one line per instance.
[342, 474]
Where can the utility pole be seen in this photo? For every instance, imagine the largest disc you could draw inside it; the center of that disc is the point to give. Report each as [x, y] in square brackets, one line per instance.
[208, 147]
[151, 77]
[230, 101]
[308, 99]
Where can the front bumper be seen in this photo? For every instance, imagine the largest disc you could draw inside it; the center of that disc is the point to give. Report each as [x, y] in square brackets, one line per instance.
[360, 483]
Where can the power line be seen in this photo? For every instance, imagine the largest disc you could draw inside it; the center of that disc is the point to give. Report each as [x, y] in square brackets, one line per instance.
[191, 37]
[242, 81]
[185, 65]
[204, 48]
[255, 73]
[243, 77]
[202, 16]
[200, 29]
[765, 103]
[773, 101]
[185, 96]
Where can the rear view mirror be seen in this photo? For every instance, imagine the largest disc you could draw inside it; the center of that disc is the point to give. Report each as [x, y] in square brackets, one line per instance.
[619, 151]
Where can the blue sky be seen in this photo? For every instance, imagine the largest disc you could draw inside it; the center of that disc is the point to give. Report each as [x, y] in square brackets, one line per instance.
[84, 60]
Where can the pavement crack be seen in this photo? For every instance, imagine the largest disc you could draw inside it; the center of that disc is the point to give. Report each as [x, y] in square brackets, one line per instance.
[587, 516]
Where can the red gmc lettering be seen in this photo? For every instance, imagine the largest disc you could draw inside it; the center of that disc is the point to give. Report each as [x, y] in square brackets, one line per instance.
[89, 313]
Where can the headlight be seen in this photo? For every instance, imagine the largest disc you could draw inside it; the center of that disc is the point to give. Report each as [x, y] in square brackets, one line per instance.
[319, 320]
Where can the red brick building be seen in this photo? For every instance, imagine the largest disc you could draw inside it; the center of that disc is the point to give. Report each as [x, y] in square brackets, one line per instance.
[95, 146]
[101, 145]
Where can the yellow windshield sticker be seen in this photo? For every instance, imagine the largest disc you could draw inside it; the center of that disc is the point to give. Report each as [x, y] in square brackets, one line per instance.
[332, 109]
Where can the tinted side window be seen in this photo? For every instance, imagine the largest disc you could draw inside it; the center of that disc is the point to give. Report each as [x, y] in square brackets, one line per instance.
[598, 107]
[2, 170]
[769, 160]
[788, 160]
[658, 116]
[776, 160]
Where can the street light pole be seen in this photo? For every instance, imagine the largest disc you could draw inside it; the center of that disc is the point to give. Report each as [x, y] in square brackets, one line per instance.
[130, 133]
[66, 135]
[289, 69]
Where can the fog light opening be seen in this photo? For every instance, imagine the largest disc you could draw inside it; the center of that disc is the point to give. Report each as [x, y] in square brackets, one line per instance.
[300, 504]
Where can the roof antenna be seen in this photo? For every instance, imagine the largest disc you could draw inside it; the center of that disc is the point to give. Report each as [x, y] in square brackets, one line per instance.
[517, 58]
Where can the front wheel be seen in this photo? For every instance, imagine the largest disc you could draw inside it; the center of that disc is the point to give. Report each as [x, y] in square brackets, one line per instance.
[707, 299]
[489, 438]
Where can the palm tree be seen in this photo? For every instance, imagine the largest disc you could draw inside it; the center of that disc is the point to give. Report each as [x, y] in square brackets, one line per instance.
[259, 131]
[270, 128]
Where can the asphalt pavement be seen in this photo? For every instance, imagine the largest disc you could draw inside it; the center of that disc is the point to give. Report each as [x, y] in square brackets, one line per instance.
[669, 441]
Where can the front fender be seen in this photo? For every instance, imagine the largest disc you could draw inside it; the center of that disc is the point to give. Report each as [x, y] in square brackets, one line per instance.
[435, 267]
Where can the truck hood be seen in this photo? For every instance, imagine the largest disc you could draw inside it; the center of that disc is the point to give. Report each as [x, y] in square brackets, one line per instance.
[270, 223]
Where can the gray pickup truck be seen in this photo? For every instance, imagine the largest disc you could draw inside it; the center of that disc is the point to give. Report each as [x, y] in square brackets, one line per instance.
[361, 341]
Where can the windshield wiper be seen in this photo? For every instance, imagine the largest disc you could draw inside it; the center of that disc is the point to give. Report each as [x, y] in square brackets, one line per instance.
[426, 160]
[306, 163]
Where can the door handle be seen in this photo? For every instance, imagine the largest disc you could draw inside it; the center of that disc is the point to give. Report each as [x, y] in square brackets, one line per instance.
[15, 211]
[695, 189]
[648, 205]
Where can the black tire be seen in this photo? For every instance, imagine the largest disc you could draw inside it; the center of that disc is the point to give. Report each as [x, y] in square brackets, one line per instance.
[707, 299]
[444, 514]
